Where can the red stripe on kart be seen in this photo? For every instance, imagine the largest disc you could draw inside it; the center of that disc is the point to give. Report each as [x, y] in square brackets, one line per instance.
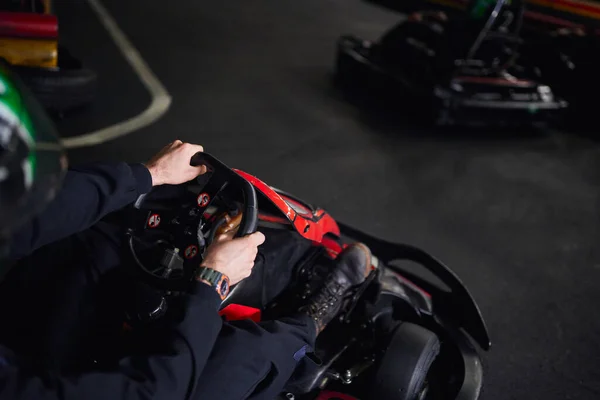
[330, 395]
[272, 218]
[333, 247]
[28, 25]
[497, 81]
[580, 5]
[585, 9]
[548, 19]
[237, 312]
[412, 284]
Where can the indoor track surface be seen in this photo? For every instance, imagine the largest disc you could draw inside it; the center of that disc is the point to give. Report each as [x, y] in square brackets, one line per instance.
[516, 215]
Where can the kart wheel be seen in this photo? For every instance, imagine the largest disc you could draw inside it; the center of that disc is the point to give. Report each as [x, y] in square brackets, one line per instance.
[63, 88]
[403, 369]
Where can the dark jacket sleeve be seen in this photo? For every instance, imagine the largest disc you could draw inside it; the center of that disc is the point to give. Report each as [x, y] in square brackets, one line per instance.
[171, 375]
[88, 194]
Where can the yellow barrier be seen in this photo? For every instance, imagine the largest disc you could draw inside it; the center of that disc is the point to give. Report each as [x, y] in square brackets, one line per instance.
[29, 52]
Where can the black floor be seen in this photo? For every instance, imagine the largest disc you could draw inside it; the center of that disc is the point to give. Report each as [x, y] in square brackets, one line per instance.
[516, 215]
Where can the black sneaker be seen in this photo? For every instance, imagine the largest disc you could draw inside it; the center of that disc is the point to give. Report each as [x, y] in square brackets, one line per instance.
[353, 265]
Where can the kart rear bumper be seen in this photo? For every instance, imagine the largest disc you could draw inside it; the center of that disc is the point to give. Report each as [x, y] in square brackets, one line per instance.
[457, 110]
[455, 313]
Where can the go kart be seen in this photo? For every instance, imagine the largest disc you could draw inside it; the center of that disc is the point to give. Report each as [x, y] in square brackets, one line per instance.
[29, 44]
[401, 334]
[460, 70]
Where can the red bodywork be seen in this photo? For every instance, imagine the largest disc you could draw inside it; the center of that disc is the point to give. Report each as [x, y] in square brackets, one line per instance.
[329, 395]
[317, 226]
[500, 81]
[311, 225]
[28, 25]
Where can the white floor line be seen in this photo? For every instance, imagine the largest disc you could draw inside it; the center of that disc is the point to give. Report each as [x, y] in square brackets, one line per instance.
[161, 100]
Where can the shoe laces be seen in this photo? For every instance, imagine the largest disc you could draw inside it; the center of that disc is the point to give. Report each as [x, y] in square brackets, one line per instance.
[326, 297]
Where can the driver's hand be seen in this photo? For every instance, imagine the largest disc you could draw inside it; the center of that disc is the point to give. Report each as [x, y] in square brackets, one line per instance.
[171, 165]
[233, 257]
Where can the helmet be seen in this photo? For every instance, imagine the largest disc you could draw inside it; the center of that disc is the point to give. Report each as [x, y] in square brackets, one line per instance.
[32, 160]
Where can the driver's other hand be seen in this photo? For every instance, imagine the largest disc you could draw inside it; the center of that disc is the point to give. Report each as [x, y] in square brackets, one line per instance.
[233, 257]
[171, 166]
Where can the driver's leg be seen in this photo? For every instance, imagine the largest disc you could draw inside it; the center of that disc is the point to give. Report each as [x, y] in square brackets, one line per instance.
[277, 261]
[255, 360]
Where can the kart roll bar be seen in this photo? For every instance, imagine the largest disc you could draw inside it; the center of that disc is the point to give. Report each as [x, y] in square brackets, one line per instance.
[456, 306]
[479, 8]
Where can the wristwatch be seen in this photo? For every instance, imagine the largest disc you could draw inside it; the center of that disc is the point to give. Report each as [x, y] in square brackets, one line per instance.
[215, 279]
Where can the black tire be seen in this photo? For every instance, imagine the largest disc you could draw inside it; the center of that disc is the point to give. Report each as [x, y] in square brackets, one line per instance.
[402, 373]
[63, 88]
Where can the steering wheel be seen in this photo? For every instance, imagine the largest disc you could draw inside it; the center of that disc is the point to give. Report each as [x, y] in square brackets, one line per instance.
[172, 225]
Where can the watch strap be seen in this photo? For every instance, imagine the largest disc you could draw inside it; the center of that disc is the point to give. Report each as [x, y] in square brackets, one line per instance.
[216, 279]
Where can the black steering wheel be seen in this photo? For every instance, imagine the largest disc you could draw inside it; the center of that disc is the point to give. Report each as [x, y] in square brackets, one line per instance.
[172, 225]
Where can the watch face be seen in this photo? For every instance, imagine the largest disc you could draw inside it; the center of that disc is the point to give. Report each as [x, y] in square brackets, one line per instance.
[224, 287]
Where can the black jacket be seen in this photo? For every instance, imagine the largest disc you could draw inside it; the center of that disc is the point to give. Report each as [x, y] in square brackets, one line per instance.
[89, 194]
